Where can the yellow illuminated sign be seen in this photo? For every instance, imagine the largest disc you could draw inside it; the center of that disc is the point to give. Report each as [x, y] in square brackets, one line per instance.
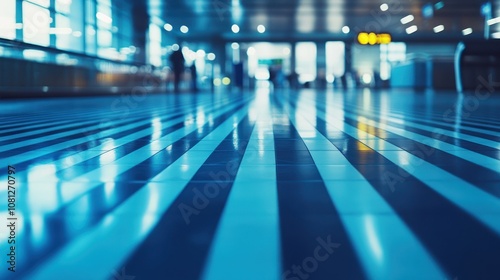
[365, 38]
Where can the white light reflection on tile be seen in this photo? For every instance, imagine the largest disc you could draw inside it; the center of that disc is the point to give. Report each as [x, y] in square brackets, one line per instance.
[335, 114]
[37, 233]
[373, 239]
[157, 127]
[109, 188]
[200, 116]
[367, 99]
[149, 215]
[110, 155]
[189, 119]
[42, 188]
[302, 123]
[79, 216]
[108, 172]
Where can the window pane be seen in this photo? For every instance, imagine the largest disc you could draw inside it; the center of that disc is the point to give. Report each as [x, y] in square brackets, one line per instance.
[306, 61]
[335, 54]
[68, 37]
[36, 24]
[154, 45]
[8, 19]
[104, 38]
[104, 17]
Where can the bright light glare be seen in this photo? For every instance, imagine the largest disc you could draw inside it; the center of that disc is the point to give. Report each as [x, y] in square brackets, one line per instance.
[200, 53]
[211, 56]
[251, 51]
[493, 21]
[407, 19]
[438, 28]
[467, 31]
[235, 28]
[411, 29]
[367, 78]
[184, 29]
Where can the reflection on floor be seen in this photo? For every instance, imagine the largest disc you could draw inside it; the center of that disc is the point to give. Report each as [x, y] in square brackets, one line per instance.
[256, 185]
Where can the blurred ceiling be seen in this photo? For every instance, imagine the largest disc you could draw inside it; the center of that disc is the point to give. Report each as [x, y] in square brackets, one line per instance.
[322, 19]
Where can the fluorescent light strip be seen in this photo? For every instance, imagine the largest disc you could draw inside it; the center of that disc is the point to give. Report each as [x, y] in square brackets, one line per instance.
[438, 28]
[407, 19]
[467, 31]
[493, 21]
[411, 29]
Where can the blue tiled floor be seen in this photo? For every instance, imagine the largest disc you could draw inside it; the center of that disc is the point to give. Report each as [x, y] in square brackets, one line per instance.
[309, 184]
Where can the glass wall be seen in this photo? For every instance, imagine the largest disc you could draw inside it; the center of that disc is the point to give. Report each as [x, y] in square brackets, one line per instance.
[8, 19]
[391, 53]
[305, 59]
[335, 60]
[95, 27]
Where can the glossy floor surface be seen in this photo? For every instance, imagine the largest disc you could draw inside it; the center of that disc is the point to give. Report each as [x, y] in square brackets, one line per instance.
[309, 184]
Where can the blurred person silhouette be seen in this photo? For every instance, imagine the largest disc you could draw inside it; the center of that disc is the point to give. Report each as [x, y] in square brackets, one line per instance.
[177, 60]
[194, 77]
[272, 75]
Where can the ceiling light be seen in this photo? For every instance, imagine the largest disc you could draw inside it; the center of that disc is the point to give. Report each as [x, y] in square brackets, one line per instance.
[235, 28]
[184, 29]
[251, 51]
[235, 46]
[467, 31]
[211, 56]
[438, 28]
[200, 53]
[168, 27]
[407, 19]
[493, 21]
[384, 7]
[261, 28]
[495, 35]
[411, 29]
[439, 5]
[346, 29]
